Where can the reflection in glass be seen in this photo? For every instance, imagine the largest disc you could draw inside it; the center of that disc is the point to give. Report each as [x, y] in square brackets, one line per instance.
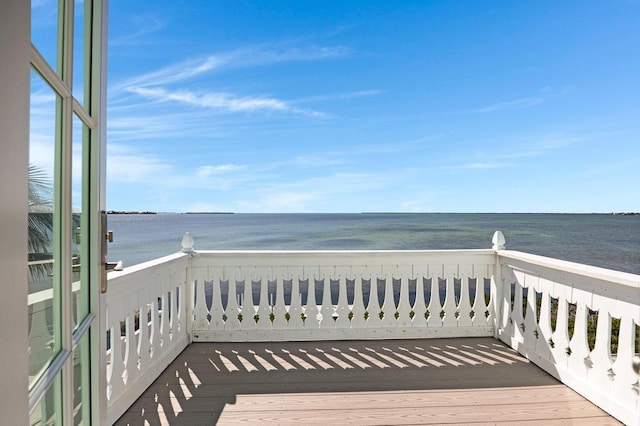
[43, 295]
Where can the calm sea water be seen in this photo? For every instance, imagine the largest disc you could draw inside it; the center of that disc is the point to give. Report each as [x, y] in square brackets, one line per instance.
[596, 239]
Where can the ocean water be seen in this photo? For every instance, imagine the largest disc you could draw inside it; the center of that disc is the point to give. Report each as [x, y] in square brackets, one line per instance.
[609, 241]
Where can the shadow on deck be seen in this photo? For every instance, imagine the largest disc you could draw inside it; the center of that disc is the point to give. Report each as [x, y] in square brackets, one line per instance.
[429, 381]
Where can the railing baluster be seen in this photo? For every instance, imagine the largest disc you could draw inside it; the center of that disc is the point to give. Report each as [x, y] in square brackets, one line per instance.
[326, 310]
[217, 311]
[358, 309]
[420, 305]
[232, 311]
[143, 335]
[578, 345]
[294, 274]
[479, 304]
[464, 304]
[312, 312]
[404, 307]
[389, 304]
[434, 308]
[342, 309]
[517, 316]
[117, 364]
[450, 308]
[624, 386]
[373, 308]
[544, 323]
[154, 329]
[530, 318]
[561, 335]
[200, 310]
[264, 308]
[279, 309]
[131, 353]
[248, 309]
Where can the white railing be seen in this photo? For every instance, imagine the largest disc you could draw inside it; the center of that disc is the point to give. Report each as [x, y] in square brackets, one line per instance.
[527, 301]
[332, 295]
[146, 327]
[579, 323]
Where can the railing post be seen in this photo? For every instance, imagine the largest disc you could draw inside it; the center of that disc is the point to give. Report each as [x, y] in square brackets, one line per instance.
[187, 248]
[497, 289]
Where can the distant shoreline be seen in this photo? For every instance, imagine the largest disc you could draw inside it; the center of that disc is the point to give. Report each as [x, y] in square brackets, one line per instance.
[128, 212]
[131, 212]
[208, 213]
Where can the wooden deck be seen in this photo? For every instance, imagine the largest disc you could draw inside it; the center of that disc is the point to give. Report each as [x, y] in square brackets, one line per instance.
[437, 381]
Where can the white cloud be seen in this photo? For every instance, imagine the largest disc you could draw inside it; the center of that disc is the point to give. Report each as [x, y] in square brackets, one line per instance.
[125, 164]
[224, 101]
[175, 73]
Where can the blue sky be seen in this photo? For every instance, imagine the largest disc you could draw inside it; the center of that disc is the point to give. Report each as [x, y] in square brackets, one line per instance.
[350, 106]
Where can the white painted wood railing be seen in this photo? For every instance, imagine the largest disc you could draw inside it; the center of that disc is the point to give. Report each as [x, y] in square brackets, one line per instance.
[146, 327]
[318, 295]
[579, 323]
[527, 301]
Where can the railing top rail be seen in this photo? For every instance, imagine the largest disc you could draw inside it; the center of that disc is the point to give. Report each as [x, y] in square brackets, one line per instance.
[340, 257]
[114, 275]
[593, 272]
[357, 252]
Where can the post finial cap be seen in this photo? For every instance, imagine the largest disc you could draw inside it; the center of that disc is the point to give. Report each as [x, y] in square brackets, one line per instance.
[498, 240]
[187, 243]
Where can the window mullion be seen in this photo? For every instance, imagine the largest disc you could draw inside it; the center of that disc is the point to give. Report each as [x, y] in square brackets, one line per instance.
[66, 63]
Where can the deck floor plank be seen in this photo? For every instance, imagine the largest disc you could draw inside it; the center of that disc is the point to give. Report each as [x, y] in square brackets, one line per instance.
[439, 381]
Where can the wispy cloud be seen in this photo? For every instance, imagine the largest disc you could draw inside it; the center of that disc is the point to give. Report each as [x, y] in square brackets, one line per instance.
[226, 102]
[536, 147]
[557, 141]
[480, 166]
[514, 104]
[241, 58]
[523, 103]
[339, 96]
[214, 100]
[174, 73]
[144, 24]
[174, 83]
[153, 124]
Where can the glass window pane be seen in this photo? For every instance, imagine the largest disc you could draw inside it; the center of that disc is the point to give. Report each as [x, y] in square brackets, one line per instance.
[44, 29]
[78, 254]
[79, 48]
[81, 402]
[47, 410]
[43, 294]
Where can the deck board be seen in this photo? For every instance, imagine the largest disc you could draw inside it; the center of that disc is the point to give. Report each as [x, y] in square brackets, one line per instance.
[438, 381]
